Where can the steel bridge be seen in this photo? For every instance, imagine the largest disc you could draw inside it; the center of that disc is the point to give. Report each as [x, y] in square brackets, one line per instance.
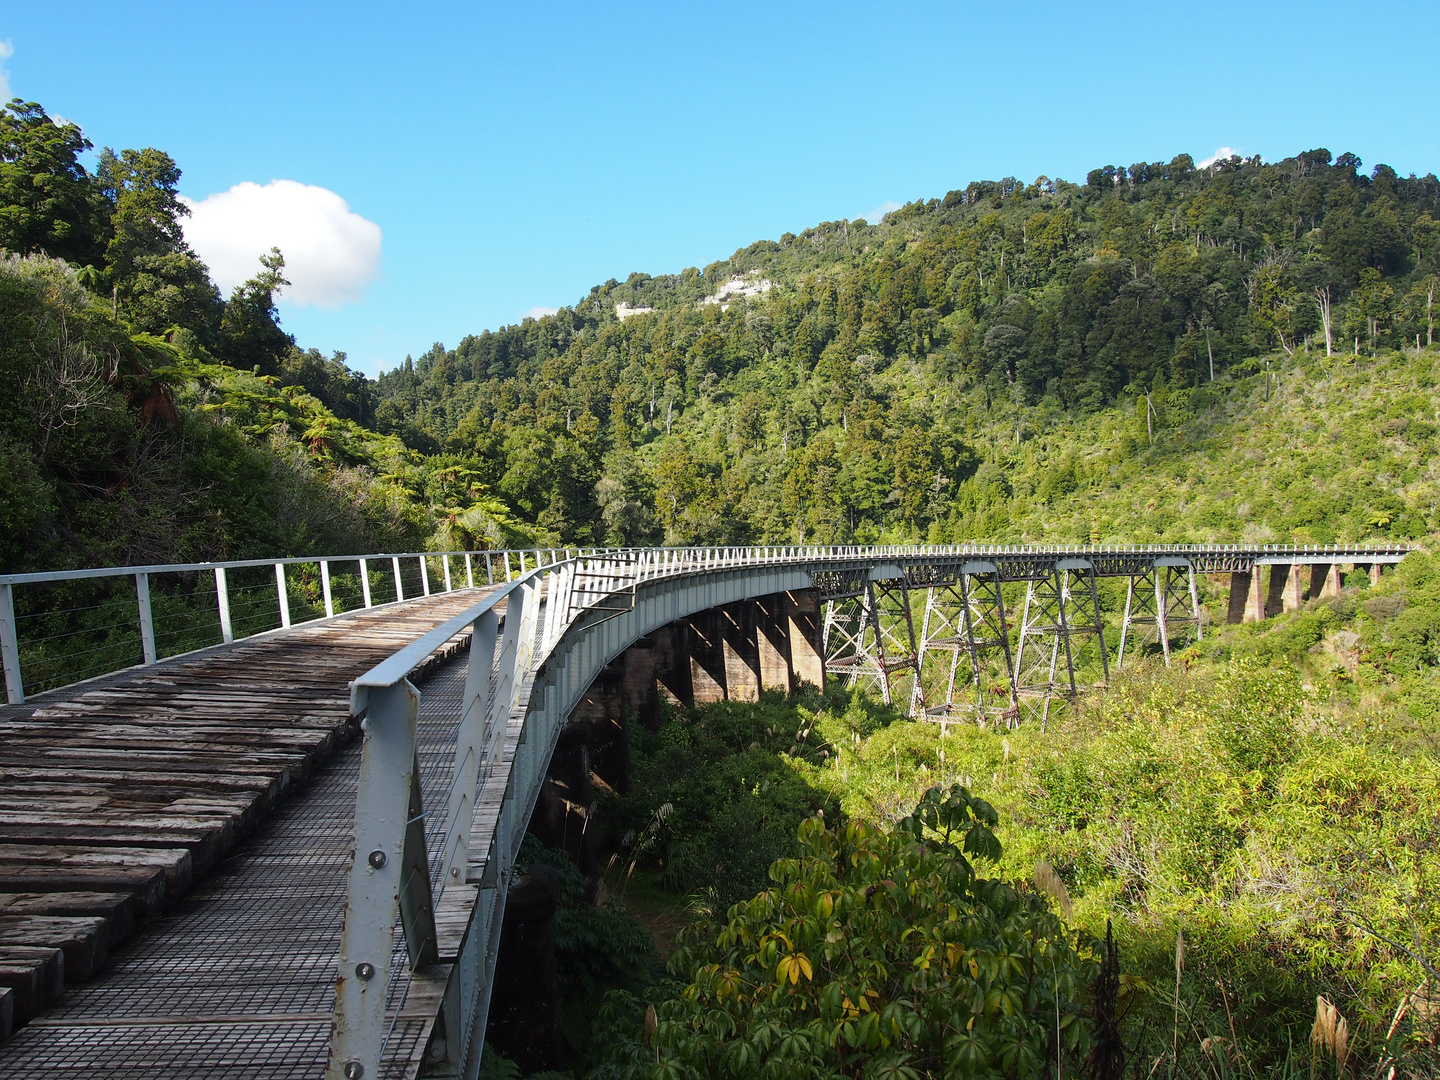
[304, 902]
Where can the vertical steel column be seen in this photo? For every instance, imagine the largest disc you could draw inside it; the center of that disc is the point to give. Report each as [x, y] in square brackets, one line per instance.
[1062, 583]
[1195, 606]
[1127, 621]
[917, 695]
[283, 593]
[10, 647]
[445, 562]
[367, 939]
[365, 580]
[1161, 597]
[872, 616]
[1044, 616]
[424, 577]
[399, 585]
[1100, 622]
[469, 572]
[147, 623]
[978, 616]
[222, 603]
[325, 588]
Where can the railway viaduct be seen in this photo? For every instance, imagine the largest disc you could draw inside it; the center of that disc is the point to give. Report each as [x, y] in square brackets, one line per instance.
[312, 858]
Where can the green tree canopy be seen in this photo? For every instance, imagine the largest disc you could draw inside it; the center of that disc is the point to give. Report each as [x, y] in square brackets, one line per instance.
[48, 202]
[155, 276]
[878, 954]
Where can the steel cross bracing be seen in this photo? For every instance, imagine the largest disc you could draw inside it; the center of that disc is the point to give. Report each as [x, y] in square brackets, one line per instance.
[870, 637]
[965, 623]
[1158, 602]
[1058, 624]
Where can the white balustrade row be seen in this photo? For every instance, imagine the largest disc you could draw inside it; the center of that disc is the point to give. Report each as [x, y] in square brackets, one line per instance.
[592, 570]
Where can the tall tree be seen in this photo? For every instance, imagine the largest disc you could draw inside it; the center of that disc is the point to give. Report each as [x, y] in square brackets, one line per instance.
[48, 202]
[250, 334]
[154, 276]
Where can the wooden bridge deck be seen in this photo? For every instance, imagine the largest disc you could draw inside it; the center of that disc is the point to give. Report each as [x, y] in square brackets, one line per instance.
[119, 795]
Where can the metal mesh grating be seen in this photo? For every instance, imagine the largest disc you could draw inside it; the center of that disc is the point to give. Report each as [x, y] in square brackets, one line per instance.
[237, 980]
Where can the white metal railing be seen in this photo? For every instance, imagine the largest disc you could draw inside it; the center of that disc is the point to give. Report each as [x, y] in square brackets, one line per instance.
[69, 639]
[68, 625]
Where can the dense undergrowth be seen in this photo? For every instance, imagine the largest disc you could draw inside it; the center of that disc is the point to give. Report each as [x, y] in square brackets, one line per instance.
[1273, 797]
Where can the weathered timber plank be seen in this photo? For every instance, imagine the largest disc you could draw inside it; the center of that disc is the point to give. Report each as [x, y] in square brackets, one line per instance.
[35, 973]
[120, 910]
[204, 845]
[33, 862]
[452, 917]
[190, 781]
[85, 941]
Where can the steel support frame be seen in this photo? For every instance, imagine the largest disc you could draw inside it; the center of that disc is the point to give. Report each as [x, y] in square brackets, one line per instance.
[965, 619]
[1156, 600]
[871, 635]
[378, 877]
[1054, 620]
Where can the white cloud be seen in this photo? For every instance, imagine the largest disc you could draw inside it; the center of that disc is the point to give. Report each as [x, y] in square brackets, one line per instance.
[7, 50]
[331, 253]
[538, 312]
[878, 214]
[1223, 154]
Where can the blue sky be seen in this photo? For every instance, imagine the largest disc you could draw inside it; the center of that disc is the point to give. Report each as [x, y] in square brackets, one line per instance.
[513, 155]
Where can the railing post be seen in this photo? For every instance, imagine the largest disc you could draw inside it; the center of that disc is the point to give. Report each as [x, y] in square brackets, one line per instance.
[489, 568]
[284, 594]
[507, 564]
[424, 577]
[367, 939]
[10, 647]
[222, 602]
[365, 580]
[470, 747]
[469, 572]
[399, 585]
[325, 588]
[147, 624]
[445, 562]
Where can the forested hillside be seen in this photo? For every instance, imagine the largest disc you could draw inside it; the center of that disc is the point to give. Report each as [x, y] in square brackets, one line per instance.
[1163, 353]
[143, 418]
[963, 368]
[1019, 361]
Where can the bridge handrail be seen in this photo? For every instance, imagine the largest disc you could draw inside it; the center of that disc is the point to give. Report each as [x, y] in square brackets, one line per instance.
[648, 562]
[141, 619]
